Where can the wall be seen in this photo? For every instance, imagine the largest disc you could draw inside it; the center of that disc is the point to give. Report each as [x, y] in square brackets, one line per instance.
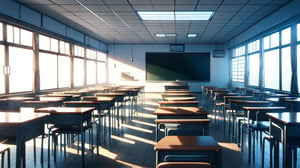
[120, 60]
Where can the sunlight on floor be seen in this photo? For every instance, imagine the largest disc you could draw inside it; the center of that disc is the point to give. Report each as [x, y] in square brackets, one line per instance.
[140, 139]
[137, 128]
[122, 139]
[144, 123]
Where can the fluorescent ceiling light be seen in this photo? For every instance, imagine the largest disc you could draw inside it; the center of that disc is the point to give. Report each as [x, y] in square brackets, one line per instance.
[177, 15]
[160, 35]
[165, 34]
[192, 35]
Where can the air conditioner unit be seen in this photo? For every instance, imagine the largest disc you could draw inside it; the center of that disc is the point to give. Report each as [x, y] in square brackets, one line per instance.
[176, 47]
[218, 53]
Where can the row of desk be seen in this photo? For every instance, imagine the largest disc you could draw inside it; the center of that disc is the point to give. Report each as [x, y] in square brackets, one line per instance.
[23, 124]
[179, 110]
[280, 110]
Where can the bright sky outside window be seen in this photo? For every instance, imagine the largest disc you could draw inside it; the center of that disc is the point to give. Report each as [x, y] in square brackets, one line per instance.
[177, 15]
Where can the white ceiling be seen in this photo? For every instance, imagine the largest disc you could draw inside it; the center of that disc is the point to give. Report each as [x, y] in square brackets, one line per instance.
[116, 21]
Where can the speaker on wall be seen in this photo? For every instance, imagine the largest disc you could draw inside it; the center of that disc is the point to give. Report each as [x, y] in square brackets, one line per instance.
[176, 47]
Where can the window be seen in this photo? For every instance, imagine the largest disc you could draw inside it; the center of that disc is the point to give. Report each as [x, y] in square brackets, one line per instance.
[254, 69]
[271, 67]
[78, 51]
[101, 68]
[101, 71]
[254, 61]
[298, 55]
[78, 72]
[48, 71]
[2, 77]
[55, 57]
[21, 71]
[19, 36]
[238, 64]
[64, 71]
[1, 31]
[271, 41]
[286, 69]
[91, 72]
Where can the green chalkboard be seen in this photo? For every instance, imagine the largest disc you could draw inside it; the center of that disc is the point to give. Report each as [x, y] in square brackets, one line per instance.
[178, 66]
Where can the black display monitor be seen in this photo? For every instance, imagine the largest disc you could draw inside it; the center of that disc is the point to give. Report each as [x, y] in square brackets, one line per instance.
[178, 66]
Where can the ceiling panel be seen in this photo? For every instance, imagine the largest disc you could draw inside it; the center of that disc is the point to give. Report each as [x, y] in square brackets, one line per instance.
[121, 23]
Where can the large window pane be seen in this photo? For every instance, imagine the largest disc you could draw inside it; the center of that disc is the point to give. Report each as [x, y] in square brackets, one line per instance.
[78, 72]
[2, 77]
[26, 37]
[298, 67]
[271, 65]
[48, 71]
[286, 36]
[44, 42]
[101, 70]
[1, 31]
[298, 32]
[63, 71]
[91, 72]
[286, 69]
[254, 69]
[21, 71]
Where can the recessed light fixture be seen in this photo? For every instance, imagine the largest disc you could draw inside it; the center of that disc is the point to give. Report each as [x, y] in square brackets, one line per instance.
[165, 34]
[192, 35]
[177, 15]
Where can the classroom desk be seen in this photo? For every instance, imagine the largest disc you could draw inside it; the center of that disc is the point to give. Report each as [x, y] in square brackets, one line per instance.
[164, 94]
[254, 115]
[22, 126]
[189, 145]
[119, 102]
[106, 103]
[69, 116]
[14, 103]
[68, 97]
[192, 125]
[293, 103]
[178, 103]
[179, 113]
[284, 127]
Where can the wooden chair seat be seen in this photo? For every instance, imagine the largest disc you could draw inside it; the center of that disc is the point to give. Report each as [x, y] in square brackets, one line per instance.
[184, 165]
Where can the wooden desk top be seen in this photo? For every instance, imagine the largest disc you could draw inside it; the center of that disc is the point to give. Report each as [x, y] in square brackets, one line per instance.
[262, 108]
[286, 118]
[180, 98]
[110, 94]
[248, 101]
[296, 99]
[178, 102]
[99, 98]
[180, 121]
[20, 98]
[178, 93]
[66, 110]
[51, 99]
[20, 117]
[187, 143]
[181, 111]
